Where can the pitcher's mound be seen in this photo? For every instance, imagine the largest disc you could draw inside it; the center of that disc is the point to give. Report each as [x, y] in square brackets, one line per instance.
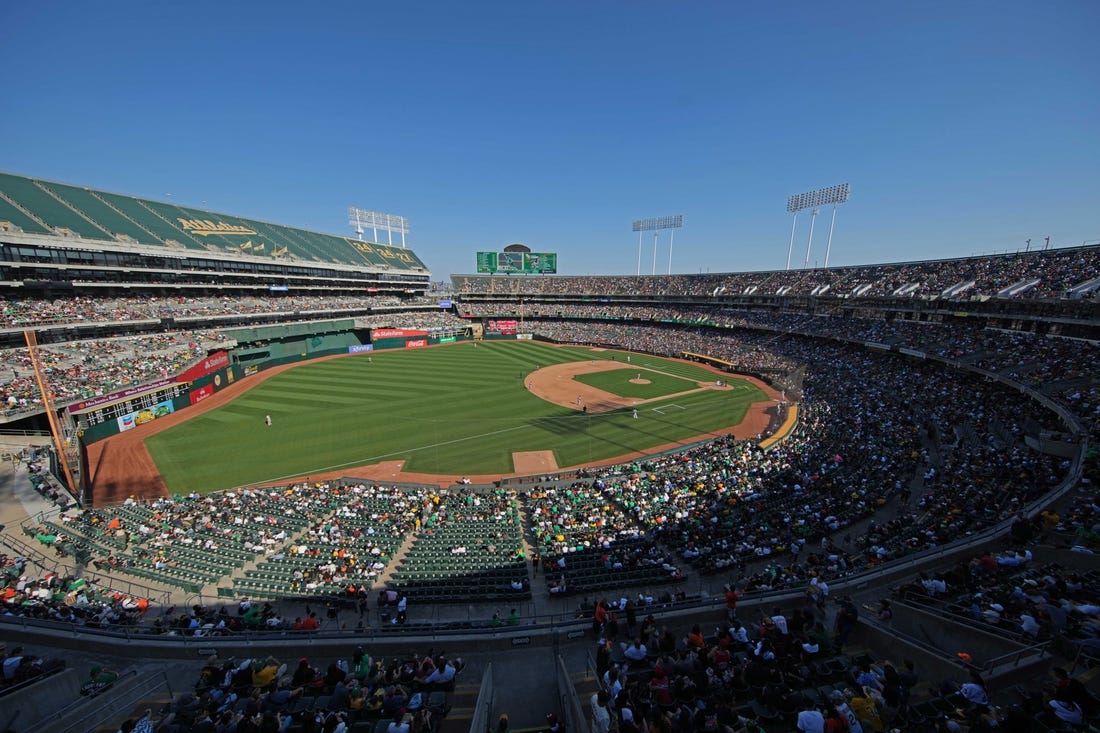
[640, 381]
[534, 461]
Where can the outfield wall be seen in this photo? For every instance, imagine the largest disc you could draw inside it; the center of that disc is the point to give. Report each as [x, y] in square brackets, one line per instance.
[416, 341]
[194, 392]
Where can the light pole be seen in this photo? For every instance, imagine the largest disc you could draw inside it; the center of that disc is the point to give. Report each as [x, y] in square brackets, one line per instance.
[389, 223]
[655, 225]
[790, 245]
[829, 244]
[810, 240]
[813, 200]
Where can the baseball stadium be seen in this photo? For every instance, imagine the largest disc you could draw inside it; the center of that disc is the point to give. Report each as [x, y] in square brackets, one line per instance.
[232, 444]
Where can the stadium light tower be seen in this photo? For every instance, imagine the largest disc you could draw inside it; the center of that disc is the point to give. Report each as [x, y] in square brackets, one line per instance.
[360, 218]
[655, 225]
[814, 200]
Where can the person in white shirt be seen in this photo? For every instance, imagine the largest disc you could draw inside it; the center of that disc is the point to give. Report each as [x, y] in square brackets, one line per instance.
[811, 721]
[399, 724]
[635, 652]
[780, 621]
[601, 717]
[841, 704]
[933, 586]
[1029, 625]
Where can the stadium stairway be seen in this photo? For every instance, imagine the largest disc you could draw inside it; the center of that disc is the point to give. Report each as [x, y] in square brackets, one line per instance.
[586, 684]
[461, 704]
[396, 559]
[151, 703]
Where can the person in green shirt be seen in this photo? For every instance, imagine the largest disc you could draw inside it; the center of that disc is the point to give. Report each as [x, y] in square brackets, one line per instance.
[99, 679]
[362, 666]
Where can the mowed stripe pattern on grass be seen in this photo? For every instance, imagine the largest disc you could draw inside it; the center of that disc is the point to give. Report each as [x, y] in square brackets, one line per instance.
[460, 409]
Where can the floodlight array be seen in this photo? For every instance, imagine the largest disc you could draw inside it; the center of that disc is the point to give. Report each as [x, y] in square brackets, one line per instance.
[660, 222]
[377, 220]
[822, 197]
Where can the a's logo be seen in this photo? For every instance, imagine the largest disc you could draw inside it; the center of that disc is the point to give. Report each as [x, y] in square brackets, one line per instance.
[205, 227]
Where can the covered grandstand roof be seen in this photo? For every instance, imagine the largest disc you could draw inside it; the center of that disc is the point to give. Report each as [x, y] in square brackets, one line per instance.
[42, 207]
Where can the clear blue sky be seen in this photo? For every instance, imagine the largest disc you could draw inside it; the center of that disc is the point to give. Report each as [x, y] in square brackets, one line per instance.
[963, 127]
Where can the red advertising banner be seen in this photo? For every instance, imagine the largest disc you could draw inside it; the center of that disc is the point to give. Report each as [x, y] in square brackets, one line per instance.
[394, 333]
[505, 327]
[217, 360]
[201, 394]
[416, 343]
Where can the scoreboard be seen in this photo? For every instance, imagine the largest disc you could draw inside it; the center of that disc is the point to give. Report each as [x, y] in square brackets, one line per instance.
[136, 404]
[526, 263]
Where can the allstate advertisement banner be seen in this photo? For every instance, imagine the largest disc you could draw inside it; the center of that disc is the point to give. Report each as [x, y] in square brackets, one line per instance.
[149, 414]
[416, 343]
[360, 348]
[508, 327]
[217, 360]
[395, 333]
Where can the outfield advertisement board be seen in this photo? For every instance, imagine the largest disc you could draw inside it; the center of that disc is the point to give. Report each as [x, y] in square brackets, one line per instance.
[121, 395]
[416, 343]
[360, 348]
[506, 327]
[131, 420]
[395, 333]
[200, 394]
[217, 360]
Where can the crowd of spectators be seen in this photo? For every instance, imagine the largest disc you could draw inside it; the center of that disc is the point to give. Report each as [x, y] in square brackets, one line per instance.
[771, 669]
[784, 668]
[726, 503]
[30, 591]
[401, 694]
[1048, 273]
[27, 312]
[79, 370]
[1006, 592]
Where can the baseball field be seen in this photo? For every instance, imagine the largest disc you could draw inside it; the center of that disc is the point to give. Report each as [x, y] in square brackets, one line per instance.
[466, 409]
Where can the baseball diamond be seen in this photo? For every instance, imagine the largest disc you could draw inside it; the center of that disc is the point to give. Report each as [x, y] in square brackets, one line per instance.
[427, 415]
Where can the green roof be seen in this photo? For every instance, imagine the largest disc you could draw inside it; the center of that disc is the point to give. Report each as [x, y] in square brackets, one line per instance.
[44, 207]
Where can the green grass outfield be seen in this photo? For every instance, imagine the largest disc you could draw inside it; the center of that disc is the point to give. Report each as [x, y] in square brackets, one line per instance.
[460, 409]
[617, 382]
